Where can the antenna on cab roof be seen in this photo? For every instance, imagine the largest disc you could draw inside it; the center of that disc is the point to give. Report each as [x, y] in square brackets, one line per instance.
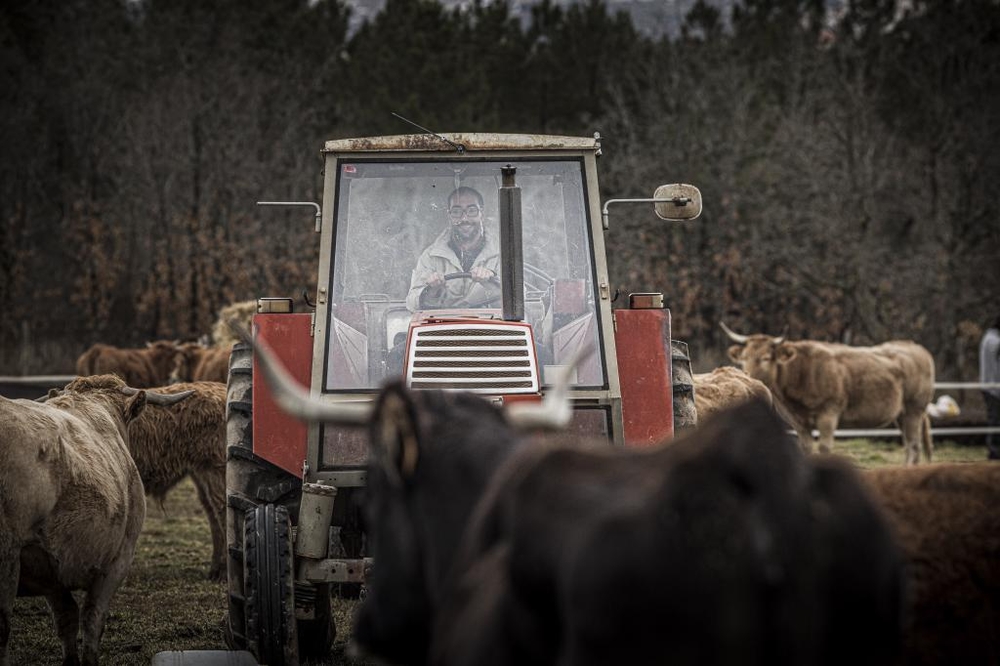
[457, 146]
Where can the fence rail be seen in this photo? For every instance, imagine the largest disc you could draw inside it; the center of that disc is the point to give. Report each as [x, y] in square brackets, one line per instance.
[936, 431]
[37, 380]
[943, 386]
[35, 385]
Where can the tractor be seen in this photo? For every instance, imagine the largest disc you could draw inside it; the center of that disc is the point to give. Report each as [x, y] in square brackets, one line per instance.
[293, 520]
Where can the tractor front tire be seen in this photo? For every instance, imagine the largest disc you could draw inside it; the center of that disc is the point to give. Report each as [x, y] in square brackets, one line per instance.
[270, 600]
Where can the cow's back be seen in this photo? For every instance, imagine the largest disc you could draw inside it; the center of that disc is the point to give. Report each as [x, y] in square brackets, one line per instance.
[725, 387]
[946, 518]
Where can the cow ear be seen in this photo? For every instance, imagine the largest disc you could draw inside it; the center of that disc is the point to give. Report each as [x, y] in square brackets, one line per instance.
[134, 406]
[784, 353]
[395, 446]
[735, 353]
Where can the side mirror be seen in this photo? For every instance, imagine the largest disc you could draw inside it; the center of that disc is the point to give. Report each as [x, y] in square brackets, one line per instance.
[677, 202]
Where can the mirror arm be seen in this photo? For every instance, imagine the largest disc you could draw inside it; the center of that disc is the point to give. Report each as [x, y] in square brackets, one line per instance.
[678, 201]
[319, 211]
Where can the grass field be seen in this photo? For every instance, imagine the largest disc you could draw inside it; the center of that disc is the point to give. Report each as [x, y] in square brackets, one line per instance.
[167, 604]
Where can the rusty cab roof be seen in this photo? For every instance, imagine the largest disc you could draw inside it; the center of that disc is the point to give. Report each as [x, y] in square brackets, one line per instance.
[471, 142]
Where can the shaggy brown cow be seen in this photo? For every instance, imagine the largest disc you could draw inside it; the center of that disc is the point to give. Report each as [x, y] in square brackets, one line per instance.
[140, 368]
[723, 388]
[947, 520]
[187, 439]
[71, 506]
[195, 362]
[822, 385]
[240, 312]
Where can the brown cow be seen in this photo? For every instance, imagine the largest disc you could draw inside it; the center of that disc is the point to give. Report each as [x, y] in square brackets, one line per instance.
[71, 506]
[188, 439]
[948, 523]
[140, 368]
[195, 362]
[723, 388]
[822, 385]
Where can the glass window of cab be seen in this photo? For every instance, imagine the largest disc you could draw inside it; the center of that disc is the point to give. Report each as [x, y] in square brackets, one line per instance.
[387, 213]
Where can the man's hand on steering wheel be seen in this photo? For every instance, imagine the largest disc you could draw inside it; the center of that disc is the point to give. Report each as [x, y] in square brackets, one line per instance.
[435, 280]
[481, 274]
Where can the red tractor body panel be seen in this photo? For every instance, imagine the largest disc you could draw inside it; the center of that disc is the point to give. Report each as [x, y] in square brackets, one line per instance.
[642, 342]
[277, 437]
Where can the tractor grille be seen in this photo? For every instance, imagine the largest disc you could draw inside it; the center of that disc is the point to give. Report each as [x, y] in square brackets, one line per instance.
[484, 358]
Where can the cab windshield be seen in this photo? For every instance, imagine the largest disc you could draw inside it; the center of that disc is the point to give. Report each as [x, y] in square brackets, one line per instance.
[387, 214]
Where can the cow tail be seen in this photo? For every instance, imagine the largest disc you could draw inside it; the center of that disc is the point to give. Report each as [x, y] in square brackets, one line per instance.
[925, 436]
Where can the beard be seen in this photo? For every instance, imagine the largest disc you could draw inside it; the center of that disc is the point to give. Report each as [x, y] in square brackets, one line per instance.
[466, 233]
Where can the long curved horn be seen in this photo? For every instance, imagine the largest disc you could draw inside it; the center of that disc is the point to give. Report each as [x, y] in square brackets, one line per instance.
[555, 410]
[295, 399]
[736, 337]
[159, 399]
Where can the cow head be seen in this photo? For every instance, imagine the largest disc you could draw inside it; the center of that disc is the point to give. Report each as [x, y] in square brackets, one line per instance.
[760, 356]
[185, 359]
[161, 355]
[432, 455]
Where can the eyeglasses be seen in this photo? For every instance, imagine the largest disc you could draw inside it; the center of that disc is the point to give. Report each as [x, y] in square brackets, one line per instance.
[471, 211]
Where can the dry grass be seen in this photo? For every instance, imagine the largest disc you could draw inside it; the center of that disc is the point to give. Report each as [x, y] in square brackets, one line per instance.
[166, 603]
[878, 453]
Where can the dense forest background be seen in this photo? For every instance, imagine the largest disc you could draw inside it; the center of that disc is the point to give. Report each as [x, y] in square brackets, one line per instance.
[850, 164]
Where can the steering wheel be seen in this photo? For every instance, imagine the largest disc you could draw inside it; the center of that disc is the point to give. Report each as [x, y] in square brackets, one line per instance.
[490, 299]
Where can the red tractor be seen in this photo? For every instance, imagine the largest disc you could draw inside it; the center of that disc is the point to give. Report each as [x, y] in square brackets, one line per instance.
[504, 331]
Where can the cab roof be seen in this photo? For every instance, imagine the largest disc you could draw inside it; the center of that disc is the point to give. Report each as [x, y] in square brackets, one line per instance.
[471, 142]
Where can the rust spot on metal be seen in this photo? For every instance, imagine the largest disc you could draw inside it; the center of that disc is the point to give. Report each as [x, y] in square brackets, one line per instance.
[472, 142]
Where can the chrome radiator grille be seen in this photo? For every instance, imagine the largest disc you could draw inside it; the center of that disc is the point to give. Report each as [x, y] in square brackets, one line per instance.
[483, 358]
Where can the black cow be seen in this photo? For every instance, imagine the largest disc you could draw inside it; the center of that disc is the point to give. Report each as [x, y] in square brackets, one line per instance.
[727, 547]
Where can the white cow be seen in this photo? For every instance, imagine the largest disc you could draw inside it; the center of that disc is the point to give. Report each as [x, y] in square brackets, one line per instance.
[71, 506]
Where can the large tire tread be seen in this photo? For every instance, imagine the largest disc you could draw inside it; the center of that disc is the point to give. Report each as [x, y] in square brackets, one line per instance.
[270, 602]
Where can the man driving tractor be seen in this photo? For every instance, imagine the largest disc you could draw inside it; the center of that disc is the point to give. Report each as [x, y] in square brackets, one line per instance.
[459, 269]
